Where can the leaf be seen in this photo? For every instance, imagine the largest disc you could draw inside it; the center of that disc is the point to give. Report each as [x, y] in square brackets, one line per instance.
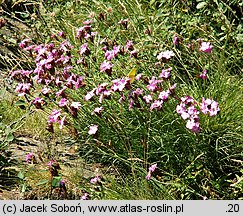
[20, 103]
[55, 181]
[132, 74]
[23, 188]
[10, 137]
[152, 2]
[20, 175]
[42, 182]
[201, 5]
[43, 171]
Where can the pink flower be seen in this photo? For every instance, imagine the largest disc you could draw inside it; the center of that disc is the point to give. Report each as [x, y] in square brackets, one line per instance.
[51, 162]
[104, 48]
[101, 88]
[95, 180]
[136, 93]
[109, 55]
[116, 50]
[61, 34]
[29, 157]
[66, 46]
[85, 196]
[97, 110]
[61, 92]
[84, 49]
[75, 105]
[149, 176]
[134, 54]
[187, 100]
[122, 98]
[131, 104]
[71, 81]
[54, 117]
[38, 102]
[138, 77]
[120, 84]
[89, 95]
[181, 108]
[164, 95]
[156, 104]
[206, 47]
[152, 168]
[166, 55]
[93, 129]
[87, 22]
[147, 98]
[106, 67]
[63, 102]
[193, 125]
[123, 22]
[153, 84]
[79, 82]
[209, 106]
[24, 43]
[80, 33]
[204, 75]
[63, 182]
[129, 45]
[192, 111]
[165, 73]
[23, 88]
[176, 40]
[187, 110]
[112, 53]
[46, 91]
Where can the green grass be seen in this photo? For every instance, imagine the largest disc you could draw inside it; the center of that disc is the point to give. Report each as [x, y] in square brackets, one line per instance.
[190, 166]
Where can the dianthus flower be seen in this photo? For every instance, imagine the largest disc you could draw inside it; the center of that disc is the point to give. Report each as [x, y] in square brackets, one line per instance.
[84, 49]
[153, 84]
[165, 55]
[93, 129]
[38, 102]
[156, 104]
[206, 47]
[148, 98]
[120, 84]
[106, 67]
[187, 110]
[85, 196]
[204, 75]
[164, 95]
[89, 95]
[55, 116]
[165, 73]
[176, 40]
[129, 45]
[63, 102]
[209, 106]
[75, 105]
[29, 157]
[151, 170]
[97, 110]
[95, 180]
